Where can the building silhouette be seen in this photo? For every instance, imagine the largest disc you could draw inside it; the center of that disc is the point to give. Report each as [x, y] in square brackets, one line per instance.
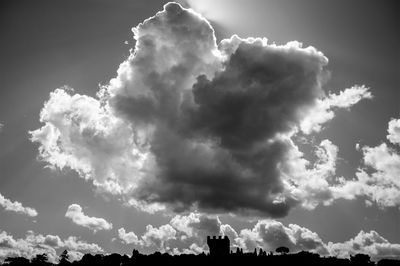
[218, 246]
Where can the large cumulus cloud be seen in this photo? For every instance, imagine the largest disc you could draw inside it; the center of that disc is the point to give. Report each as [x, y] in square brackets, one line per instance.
[190, 124]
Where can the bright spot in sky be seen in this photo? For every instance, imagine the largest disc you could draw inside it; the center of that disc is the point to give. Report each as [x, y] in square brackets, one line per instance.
[215, 11]
[241, 18]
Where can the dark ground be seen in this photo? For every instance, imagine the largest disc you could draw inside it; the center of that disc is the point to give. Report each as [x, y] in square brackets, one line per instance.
[262, 258]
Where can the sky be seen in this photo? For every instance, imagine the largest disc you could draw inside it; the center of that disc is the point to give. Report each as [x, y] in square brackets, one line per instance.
[147, 125]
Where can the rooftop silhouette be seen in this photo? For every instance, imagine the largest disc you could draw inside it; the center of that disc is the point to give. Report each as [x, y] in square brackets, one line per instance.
[218, 246]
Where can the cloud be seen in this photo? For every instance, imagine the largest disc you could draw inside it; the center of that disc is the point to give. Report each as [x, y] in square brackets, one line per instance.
[191, 125]
[75, 255]
[146, 207]
[188, 233]
[370, 243]
[196, 224]
[377, 179]
[270, 234]
[34, 244]
[260, 92]
[383, 184]
[154, 238]
[316, 183]
[16, 206]
[1, 127]
[394, 131]
[73, 243]
[323, 111]
[82, 134]
[158, 237]
[227, 152]
[95, 224]
[128, 238]
[183, 234]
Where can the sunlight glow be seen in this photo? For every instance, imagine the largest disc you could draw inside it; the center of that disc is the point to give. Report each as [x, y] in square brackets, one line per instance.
[215, 11]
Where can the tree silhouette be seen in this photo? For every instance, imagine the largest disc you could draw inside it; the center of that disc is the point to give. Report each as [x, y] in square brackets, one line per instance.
[232, 258]
[16, 261]
[361, 259]
[282, 250]
[40, 259]
[64, 258]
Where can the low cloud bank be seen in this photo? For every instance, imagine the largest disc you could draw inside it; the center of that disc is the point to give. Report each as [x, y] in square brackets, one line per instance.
[34, 244]
[187, 234]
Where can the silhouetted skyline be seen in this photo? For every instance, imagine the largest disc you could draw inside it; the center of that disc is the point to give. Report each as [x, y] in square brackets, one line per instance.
[218, 256]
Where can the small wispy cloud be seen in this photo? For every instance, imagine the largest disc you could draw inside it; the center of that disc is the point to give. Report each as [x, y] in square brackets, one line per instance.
[16, 206]
[324, 110]
[95, 224]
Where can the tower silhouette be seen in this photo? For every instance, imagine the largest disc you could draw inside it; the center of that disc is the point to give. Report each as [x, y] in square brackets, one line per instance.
[218, 246]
